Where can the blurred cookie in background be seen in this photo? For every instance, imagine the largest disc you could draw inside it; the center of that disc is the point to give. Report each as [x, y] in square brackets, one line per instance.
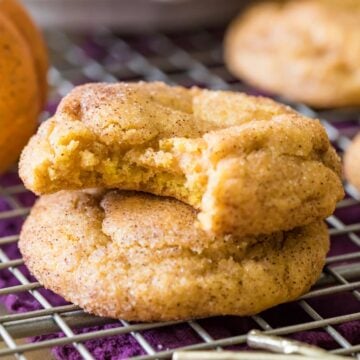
[23, 86]
[305, 50]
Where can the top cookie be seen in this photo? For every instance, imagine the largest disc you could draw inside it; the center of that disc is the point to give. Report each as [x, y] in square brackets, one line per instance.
[249, 164]
[305, 50]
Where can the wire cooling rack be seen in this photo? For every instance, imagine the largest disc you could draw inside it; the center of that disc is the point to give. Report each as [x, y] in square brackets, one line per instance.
[186, 59]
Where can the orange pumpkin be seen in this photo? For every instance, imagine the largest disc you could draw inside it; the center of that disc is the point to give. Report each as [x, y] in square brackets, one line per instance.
[23, 87]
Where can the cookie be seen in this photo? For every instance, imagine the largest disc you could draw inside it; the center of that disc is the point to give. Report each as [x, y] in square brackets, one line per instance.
[23, 69]
[352, 162]
[141, 257]
[15, 11]
[305, 50]
[249, 164]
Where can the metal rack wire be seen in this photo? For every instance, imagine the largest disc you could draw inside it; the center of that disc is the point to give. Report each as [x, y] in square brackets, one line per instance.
[186, 59]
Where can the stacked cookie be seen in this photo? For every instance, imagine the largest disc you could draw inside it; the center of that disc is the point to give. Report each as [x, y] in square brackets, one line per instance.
[201, 203]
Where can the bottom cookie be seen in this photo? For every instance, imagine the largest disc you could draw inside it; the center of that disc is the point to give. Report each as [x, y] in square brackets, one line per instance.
[140, 257]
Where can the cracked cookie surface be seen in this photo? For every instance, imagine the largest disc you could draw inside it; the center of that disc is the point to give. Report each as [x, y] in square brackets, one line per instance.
[249, 164]
[140, 257]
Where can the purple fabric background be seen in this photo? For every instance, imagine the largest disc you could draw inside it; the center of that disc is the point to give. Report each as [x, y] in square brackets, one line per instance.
[124, 346]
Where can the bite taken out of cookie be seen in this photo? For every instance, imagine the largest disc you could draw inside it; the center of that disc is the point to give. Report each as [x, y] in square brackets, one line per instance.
[248, 164]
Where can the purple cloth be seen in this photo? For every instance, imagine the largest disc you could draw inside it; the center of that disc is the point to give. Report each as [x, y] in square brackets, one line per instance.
[125, 346]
